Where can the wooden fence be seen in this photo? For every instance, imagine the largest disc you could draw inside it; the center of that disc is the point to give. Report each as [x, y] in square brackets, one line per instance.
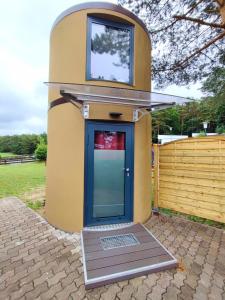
[16, 159]
[190, 176]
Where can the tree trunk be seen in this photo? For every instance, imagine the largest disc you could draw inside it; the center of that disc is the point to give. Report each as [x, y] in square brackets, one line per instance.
[222, 9]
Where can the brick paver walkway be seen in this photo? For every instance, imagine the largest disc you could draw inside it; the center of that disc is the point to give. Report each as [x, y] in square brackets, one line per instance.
[40, 262]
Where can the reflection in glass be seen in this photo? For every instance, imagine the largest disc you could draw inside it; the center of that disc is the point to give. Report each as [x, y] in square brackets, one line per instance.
[110, 53]
[109, 163]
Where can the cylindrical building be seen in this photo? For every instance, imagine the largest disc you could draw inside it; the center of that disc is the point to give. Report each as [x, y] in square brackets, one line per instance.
[99, 131]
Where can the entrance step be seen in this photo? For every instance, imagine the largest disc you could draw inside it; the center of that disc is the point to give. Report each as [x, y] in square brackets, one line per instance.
[118, 254]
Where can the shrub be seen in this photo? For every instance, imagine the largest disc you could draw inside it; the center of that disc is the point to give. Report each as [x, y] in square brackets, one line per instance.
[220, 129]
[41, 151]
[35, 205]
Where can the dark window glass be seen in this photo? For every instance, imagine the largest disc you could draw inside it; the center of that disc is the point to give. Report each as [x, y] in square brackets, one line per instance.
[110, 53]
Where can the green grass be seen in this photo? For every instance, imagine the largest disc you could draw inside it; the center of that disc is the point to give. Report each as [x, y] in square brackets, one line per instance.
[35, 205]
[170, 213]
[16, 179]
[6, 154]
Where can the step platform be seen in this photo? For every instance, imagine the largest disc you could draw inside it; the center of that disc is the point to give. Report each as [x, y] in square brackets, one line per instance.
[118, 254]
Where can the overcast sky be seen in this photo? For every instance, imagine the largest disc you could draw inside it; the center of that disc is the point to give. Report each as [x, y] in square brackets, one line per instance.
[24, 52]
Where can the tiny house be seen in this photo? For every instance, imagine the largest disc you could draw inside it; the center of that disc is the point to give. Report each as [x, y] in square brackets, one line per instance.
[99, 126]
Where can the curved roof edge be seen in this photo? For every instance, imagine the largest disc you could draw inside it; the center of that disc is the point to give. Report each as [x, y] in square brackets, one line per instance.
[100, 5]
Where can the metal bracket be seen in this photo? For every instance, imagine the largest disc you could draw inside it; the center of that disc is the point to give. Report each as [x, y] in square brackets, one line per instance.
[138, 114]
[85, 111]
[135, 115]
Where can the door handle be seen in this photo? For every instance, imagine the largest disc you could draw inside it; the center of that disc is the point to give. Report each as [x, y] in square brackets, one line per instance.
[127, 170]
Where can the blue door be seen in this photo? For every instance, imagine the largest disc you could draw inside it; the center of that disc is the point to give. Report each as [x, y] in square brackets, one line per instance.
[109, 160]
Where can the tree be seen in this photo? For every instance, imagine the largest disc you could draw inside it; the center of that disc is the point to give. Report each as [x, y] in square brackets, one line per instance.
[188, 37]
[189, 118]
[214, 85]
[214, 88]
[41, 150]
[20, 144]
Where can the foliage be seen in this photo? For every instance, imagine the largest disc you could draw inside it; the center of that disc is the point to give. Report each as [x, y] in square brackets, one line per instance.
[215, 83]
[41, 150]
[171, 213]
[36, 205]
[220, 129]
[202, 133]
[6, 154]
[20, 144]
[188, 119]
[188, 37]
[15, 179]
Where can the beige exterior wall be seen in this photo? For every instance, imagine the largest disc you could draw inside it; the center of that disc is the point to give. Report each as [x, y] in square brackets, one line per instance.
[65, 165]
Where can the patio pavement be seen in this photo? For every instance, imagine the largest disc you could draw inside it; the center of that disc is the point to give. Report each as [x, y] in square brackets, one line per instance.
[40, 262]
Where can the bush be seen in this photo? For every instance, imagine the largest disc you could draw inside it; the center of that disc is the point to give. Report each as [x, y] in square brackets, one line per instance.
[202, 133]
[41, 151]
[35, 205]
[220, 129]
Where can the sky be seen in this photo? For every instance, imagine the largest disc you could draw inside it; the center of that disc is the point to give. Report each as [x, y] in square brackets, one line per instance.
[24, 56]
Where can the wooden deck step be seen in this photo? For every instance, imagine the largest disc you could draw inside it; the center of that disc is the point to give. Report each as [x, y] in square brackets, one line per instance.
[122, 262]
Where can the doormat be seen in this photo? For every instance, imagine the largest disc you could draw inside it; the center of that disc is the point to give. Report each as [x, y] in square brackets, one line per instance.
[117, 241]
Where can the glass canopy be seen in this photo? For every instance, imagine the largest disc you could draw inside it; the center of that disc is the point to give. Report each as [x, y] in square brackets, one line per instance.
[140, 99]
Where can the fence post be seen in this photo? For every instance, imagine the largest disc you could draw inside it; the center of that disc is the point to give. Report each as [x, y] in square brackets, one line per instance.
[156, 175]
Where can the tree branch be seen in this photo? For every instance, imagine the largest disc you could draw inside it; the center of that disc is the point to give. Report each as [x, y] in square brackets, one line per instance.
[179, 65]
[220, 2]
[213, 41]
[171, 24]
[199, 21]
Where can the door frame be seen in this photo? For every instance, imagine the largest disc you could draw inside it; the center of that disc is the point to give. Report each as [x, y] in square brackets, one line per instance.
[90, 127]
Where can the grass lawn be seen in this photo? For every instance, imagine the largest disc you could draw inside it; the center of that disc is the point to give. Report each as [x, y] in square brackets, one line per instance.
[6, 154]
[16, 179]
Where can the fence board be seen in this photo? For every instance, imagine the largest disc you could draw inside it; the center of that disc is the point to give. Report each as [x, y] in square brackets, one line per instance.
[193, 195]
[194, 174]
[219, 168]
[191, 177]
[193, 188]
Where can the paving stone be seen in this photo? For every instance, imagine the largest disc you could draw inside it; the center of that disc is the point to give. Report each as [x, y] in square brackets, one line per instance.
[42, 278]
[41, 288]
[151, 279]
[156, 293]
[123, 283]
[126, 293]
[171, 293]
[69, 278]
[110, 294]
[192, 280]
[178, 280]
[65, 293]
[219, 280]
[187, 292]
[141, 292]
[216, 293]
[51, 292]
[196, 268]
[80, 293]
[22, 291]
[49, 265]
[136, 281]
[56, 278]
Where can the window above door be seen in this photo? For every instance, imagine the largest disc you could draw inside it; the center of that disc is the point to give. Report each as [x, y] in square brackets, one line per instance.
[109, 51]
